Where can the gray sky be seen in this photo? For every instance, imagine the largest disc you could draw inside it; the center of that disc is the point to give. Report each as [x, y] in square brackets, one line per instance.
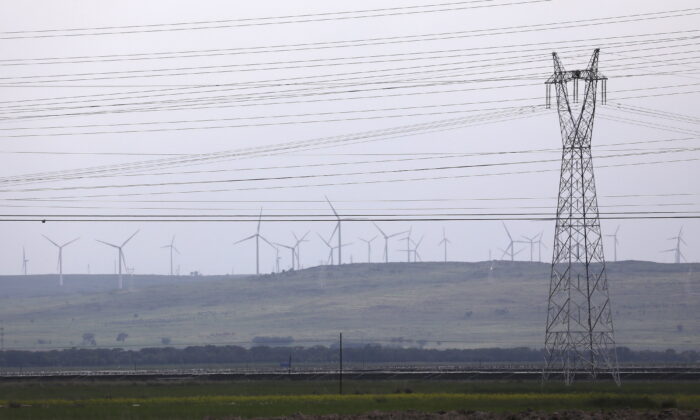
[646, 68]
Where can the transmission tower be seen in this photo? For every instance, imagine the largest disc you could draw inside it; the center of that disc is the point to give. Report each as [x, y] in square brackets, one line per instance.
[579, 339]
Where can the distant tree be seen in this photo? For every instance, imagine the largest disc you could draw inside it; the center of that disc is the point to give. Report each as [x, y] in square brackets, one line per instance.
[89, 339]
[679, 327]
[165, 341]
[273, 340]
[122, 336]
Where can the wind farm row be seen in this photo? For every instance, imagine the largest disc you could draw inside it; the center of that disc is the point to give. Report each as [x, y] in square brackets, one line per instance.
[411, 244]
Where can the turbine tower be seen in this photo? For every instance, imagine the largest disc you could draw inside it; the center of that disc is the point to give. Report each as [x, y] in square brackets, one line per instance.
[510, 249]
[172, 248]
[416, 245]
[291, 248]
[408, 244]
[386, 241]
[532, 241]
[60, 257]
[121, 261]
[444, 243]
[330, 248]
[337, 227]
[257, 238]
[297, 246]
[369, 247]
[579, 337]
[24, 262]
[677, 254]
[615, 241]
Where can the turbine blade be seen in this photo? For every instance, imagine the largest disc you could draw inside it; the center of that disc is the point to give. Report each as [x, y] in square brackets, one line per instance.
[380, 230]
[129, 238]
[47, 238]
[335, 229]
[69, 242]
[244, 239]
[507, 231]
[107, 243]
[259, 220]
[332, 208]
[324, 241]
[268, 242]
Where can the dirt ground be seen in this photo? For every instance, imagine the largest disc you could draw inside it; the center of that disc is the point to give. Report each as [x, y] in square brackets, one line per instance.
[476, 415]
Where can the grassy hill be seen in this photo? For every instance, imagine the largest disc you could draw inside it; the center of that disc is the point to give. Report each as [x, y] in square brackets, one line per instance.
[440, 305]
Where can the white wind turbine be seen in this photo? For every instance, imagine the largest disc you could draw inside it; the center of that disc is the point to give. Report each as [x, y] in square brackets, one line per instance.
[369, 247]
[616, 242]
[297, 246]
[408, 244]
[24, 262]
[172, 248]
[330, 248]
[337, 227]
[416, 245]
[444, 243]
[386, 241]
[510, 249]
[121, 260]
[60, 257]
[257, 237]
[537, 239]
[677, 254]
[291, 248]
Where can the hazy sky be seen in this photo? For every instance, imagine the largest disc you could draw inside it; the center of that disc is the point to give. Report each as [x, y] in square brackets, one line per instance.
[253, 85]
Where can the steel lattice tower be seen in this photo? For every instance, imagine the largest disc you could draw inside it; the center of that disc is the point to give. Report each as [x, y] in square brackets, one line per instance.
[579, 337]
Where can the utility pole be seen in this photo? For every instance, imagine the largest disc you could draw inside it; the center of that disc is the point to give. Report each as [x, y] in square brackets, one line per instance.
[579, 336]
[340, 361]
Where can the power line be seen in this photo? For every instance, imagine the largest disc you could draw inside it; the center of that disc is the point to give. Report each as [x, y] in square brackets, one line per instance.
[316, 46]
[379, 200]
[228, 68]
[396, 180]
[43, 33]
[48, 219]
[346, 174]
[218, 98]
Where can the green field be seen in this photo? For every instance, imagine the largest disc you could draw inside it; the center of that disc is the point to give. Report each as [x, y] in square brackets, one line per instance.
[437, 305]
[197, 400]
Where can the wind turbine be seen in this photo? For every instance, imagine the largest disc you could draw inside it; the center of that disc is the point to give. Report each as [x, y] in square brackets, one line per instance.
[60, 257]
[337, 227]
[540, 244]
[330, 248]
[510, 249]
[408, 244]
[171, 245]
[537, 239]
[257, 237]
[386, 241]
[444, 243]
[121, 261]
[292, 248]
[615, 241]
[369, 247]
[416, 254]
[677, 254]
[297, 246]
[24, 262]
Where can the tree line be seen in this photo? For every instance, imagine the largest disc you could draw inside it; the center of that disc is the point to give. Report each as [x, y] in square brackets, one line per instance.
[370, 353]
